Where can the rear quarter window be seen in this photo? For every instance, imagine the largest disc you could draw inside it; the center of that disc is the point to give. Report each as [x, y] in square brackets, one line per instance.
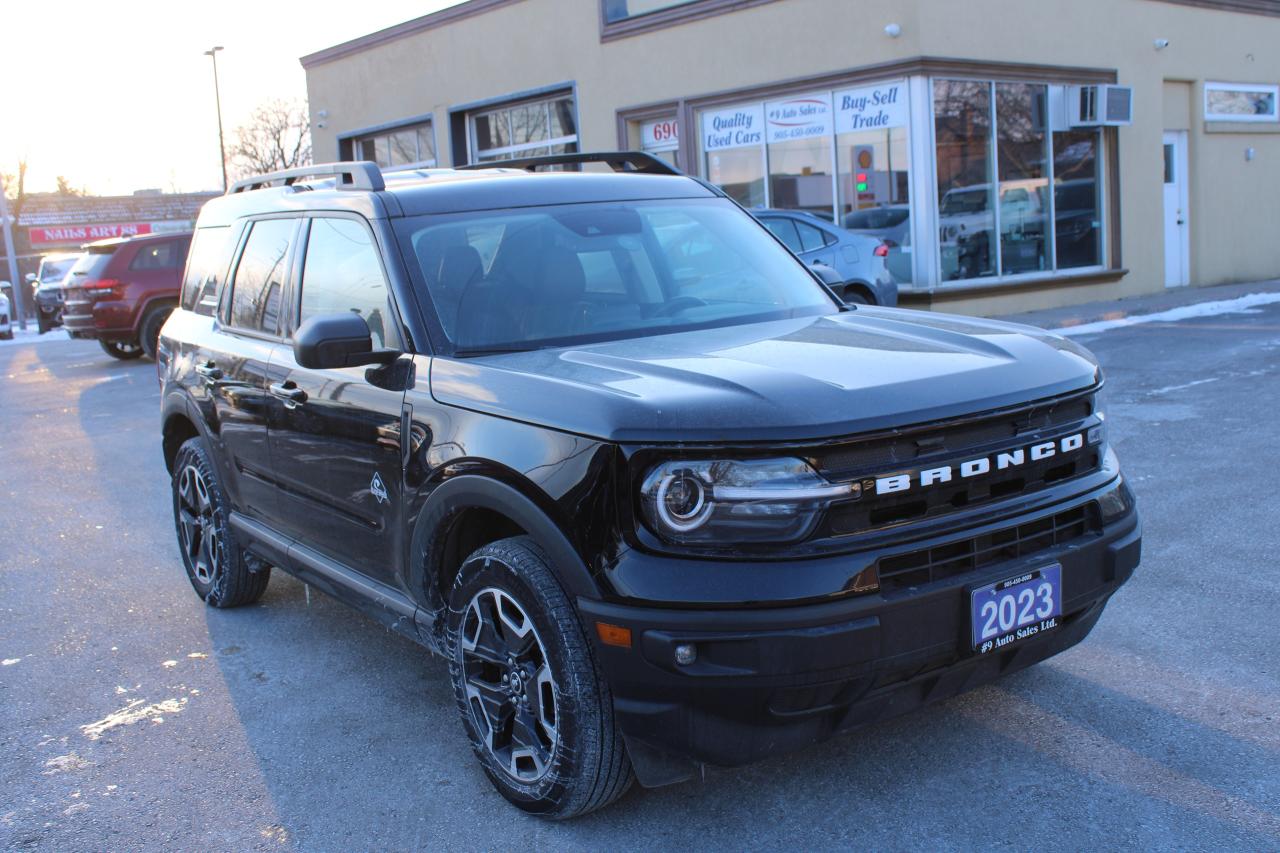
[159, 256]
[206, 268]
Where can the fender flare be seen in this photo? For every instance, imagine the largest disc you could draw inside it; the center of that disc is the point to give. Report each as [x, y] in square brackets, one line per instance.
[477, 491]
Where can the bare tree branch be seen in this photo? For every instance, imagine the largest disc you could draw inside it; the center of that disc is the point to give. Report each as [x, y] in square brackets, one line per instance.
[277, 136]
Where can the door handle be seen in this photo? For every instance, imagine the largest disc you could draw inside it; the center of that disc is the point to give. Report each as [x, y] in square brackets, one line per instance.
[209, 372]
[289, 392]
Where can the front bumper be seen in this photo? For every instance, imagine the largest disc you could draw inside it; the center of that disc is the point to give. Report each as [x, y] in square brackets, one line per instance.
[771, 680]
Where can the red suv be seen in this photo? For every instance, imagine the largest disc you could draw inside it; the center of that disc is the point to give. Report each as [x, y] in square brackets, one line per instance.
[121, 292]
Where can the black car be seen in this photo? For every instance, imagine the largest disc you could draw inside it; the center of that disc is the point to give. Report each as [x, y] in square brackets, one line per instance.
[658, 496]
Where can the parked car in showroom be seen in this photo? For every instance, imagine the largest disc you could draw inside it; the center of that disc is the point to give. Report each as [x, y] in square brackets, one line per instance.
[121, 291]
[55, 269]
[656, 493]
[859, 260]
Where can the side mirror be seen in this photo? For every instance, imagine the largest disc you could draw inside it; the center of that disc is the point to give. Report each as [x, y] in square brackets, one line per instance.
[31, 278]
[328, 341]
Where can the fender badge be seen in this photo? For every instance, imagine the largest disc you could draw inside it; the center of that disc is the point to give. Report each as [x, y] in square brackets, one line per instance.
[377, 488]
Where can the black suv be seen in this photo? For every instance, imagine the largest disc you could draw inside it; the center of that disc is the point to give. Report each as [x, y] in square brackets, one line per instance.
[604, 443]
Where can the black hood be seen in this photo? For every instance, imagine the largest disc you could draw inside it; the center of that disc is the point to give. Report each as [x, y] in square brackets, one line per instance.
[811, 378]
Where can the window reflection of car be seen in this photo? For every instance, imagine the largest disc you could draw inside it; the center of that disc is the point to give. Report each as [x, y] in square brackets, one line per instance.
[891, 224]
[967, 223]
[860, 260]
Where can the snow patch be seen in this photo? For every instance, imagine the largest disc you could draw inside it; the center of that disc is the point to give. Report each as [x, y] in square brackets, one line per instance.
[1241, 305]
[134, 712]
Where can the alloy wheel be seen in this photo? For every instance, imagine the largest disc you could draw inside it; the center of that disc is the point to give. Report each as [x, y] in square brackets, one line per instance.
[509, 686]
[200, 539]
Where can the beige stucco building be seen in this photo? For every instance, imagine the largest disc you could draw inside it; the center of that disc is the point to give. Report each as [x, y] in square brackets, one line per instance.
[953, 129]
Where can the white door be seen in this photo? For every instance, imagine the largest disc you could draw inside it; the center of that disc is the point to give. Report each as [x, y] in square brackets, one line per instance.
[1177, 234]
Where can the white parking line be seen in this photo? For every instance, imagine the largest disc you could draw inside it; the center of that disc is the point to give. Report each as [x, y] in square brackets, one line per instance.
[1241, 305]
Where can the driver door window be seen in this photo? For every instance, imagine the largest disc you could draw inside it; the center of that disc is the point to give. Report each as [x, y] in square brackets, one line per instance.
[343, 272]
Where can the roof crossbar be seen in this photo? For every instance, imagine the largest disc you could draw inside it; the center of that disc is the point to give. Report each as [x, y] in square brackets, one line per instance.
[619, 161]
[355, 175]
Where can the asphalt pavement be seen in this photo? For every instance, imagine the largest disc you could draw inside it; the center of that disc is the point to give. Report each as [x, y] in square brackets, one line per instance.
[133, 717]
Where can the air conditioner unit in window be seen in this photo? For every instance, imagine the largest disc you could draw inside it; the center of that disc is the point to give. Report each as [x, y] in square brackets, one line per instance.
[1099, 106]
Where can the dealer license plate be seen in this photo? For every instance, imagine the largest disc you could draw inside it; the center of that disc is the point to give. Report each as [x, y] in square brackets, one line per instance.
[1017, 608]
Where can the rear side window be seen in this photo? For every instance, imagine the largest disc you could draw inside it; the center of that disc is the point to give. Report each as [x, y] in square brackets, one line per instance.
[342, 273]
[785, 230]
[158, 256]
[206, 265]
[811, 238]
[257, 291]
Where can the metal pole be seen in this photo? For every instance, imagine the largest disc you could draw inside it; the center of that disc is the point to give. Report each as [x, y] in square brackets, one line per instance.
[19, 287]
[217, 99]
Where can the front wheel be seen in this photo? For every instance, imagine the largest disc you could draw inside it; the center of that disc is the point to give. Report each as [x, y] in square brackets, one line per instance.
[123, 350]
[535, 707]
[220, 571]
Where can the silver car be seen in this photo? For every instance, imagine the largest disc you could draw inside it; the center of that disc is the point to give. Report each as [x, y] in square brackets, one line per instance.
[860, 260]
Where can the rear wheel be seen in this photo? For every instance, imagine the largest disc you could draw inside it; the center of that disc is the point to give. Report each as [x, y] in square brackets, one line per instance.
[123, 350]
[218, 568]
[149, 337]
[533, 702]
[854, 296]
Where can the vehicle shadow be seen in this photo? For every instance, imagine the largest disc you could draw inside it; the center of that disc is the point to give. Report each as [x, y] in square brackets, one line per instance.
[359, 744]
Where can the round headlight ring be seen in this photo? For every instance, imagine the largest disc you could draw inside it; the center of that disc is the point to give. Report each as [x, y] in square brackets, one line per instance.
[698, 510]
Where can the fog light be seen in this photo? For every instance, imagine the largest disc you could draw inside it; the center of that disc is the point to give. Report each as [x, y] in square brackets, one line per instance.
[686, 653]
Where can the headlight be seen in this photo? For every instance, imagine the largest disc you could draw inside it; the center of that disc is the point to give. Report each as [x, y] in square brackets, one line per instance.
[730, 501]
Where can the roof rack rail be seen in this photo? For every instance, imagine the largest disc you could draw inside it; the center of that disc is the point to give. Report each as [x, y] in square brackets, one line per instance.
[356, 175]
[619, 161]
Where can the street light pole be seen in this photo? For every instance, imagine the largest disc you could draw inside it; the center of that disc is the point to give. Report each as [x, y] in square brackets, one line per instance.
[212, 53]
[19, 287]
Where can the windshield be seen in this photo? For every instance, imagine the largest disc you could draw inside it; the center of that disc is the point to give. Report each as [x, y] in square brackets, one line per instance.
[503, 280]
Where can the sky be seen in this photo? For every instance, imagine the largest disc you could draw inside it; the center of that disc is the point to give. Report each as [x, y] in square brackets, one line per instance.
[119, 97]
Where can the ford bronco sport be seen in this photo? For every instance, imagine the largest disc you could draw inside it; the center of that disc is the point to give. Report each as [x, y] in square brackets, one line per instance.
[604, 443]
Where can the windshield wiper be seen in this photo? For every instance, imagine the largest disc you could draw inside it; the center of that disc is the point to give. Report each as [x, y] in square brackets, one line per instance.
[463, 352]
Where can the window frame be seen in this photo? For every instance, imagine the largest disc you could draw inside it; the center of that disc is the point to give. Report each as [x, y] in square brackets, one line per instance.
[1263, 88]
[1105, 144]
[683, 13]
[349, 143]
[229, 283]
[298, 263]
[546, 99]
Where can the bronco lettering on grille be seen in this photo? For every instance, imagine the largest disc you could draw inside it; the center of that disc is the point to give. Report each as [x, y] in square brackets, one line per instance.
[982, 465]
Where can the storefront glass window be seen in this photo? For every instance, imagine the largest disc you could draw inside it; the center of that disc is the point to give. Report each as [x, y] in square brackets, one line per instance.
[1024, 180]
[1076, 197]
[962, 132]
[524, 130]
[733, 147]
[873, 161]
[800, 165]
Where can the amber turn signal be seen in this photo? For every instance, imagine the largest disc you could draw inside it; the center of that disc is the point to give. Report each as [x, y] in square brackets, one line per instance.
[614, 635]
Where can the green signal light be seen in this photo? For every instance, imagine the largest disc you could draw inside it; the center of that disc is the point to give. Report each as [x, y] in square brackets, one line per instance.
[862, 186]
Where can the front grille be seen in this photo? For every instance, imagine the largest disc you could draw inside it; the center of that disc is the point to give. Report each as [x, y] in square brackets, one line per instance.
[946, 445]
[906, 447]
[1023, 540]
